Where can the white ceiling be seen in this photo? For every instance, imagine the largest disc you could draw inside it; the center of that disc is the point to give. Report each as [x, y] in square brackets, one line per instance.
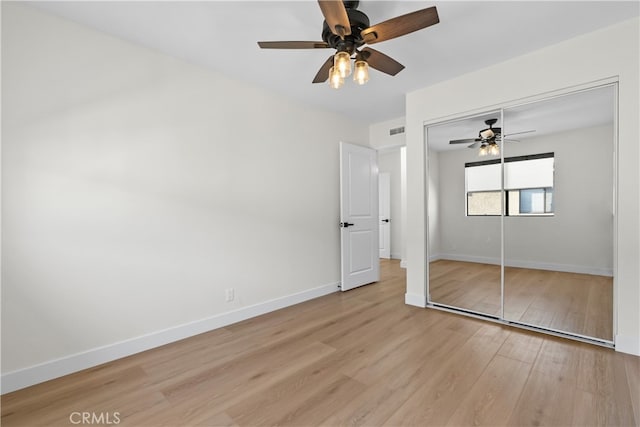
[222, 35]
[594, 107]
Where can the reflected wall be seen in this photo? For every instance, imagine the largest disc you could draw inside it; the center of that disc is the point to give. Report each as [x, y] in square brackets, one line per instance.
[464, 250]
[559, 262]
[525, 234]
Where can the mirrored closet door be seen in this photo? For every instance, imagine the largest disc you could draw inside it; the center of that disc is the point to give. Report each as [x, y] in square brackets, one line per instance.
[464, 218]
[521, 214]
[559, 213]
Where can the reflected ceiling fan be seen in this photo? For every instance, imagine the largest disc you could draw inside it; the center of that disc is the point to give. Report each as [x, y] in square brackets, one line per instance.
[346, 30]
[488, 139]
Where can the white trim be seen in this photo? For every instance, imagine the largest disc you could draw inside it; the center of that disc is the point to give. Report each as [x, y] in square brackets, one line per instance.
[415, 300]
[616, 230]
[566, 268]
[403, 263]
[467, 258]
[549, 331]
[26, 377]
[628, 344]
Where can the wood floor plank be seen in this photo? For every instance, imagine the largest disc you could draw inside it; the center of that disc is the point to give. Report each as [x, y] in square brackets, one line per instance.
[439, 395]
[571, 302]
[599, 323]
[632, 367]
[523, 346]
[82, 393]
[387, 396]
[248, 372]
[559, 359]
[195, 399]
[317, 408]
[288, 394]
[493, 397]
[292, 391]
[544, 402]
[440, 348]
[219, 420]
[604, 376]
[361, 357]
[370, 408]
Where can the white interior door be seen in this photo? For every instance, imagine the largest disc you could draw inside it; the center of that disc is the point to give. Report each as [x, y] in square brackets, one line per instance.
[384, 214]
[358, 216]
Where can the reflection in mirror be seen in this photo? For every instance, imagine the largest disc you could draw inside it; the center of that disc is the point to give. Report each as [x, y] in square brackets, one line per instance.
[464, 224]
[558, 225]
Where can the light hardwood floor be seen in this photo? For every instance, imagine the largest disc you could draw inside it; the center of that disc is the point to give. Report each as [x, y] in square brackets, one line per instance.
[570, 302]
[361, 357]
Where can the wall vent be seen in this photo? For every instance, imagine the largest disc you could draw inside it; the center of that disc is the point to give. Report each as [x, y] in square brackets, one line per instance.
[396, 131]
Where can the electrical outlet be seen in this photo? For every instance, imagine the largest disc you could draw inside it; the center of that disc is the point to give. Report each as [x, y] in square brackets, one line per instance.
[229, 294]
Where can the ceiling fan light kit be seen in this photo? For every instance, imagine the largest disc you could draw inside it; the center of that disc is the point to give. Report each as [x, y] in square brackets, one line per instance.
[342, 63]
[347, 29]
[488, 139]
[361, 73]
[335, 78]
[487, 133]
[490, 149]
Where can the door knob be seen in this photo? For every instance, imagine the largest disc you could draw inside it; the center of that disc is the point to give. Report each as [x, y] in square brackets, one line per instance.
[345, 224]
[385, 220]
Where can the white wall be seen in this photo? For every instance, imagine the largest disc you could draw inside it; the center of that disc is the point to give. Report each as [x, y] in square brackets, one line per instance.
[578, 238]
[391, 158]
[610, 53]
[137, 188]
[379, 136]
[389, 161]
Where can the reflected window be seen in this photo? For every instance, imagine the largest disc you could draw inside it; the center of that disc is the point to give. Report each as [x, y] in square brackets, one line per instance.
[484, 203]
[531, 201]
[528, 186]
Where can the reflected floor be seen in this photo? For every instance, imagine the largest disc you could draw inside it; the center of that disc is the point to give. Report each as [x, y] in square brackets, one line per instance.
[571, 302]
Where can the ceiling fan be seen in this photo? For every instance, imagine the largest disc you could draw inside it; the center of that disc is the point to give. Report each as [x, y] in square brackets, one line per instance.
[346, 30]
[488, 139]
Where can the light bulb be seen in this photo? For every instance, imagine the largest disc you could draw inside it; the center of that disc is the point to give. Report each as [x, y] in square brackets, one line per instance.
[494, 150]
[361, 72]
[342, 62]
[335, 80]
[483, 151]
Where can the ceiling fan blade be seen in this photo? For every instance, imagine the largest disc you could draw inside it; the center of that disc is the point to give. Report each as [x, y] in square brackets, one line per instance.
[475, 144]
[336, 16]
[400, 25]
[323, 72]
[465, 141]
[293, 45]
[520, 133]
[511, 140]
[381, 62]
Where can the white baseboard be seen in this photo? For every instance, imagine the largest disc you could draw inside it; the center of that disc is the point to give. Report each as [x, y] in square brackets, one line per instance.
[26, 377]
[566, 268]
[415, 300]
[628, 344]
[403, 263]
